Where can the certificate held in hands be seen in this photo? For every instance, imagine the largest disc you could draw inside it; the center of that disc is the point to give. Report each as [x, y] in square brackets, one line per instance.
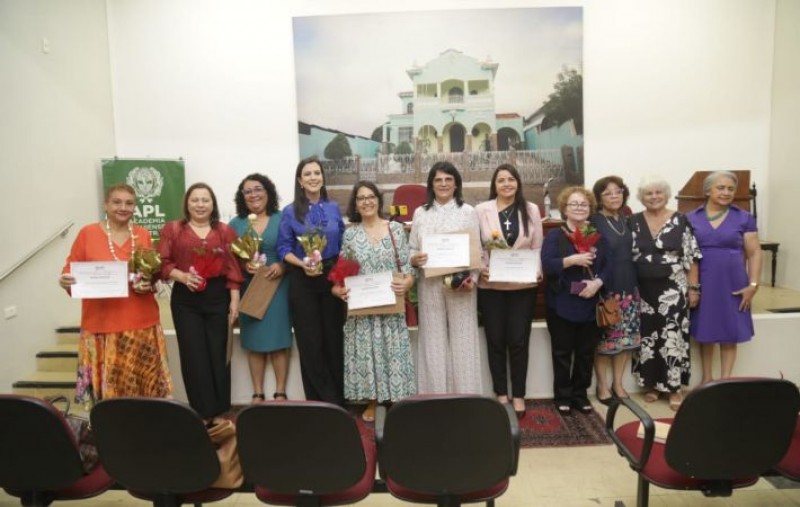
[373, 294]
[451, 253]
[99, 280]
[259, 294]
[516, 266]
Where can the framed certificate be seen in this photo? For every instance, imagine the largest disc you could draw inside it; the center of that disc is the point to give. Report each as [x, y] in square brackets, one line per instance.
[99, 280]
[515, 266]
[373, 294]
[444, 259]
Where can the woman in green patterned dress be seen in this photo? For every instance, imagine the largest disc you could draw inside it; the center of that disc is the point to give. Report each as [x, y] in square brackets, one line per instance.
[377, 351]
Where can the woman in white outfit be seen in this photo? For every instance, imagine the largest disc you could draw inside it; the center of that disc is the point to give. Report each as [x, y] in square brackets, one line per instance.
[448, 350]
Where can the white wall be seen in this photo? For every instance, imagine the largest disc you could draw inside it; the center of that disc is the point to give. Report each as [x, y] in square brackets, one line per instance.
[670, 87]
[784, 175]
[55, 123]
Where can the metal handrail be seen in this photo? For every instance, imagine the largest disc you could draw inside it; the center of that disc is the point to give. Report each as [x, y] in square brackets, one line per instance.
[62, 231]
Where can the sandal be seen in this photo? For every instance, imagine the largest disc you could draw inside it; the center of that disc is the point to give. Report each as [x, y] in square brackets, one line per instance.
[368, 415]
[651, 396]
[279, 396]
[675, 400]
[257, 398]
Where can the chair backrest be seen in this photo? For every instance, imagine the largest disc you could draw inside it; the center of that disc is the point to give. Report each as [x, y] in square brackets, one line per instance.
[154, 445]
[290, 447]
[448, 444]
[733, 428]
[411, 196]
[39, 451]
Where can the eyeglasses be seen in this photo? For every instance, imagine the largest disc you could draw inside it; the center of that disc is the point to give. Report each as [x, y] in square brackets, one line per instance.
[612, 193]
[366, 198]
[252, 190]
[578, 205]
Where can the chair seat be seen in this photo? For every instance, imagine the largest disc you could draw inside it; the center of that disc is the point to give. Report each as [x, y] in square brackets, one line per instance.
[657, 471]
[353, 494]
[92, 484]
[790, 464]
[473, 496]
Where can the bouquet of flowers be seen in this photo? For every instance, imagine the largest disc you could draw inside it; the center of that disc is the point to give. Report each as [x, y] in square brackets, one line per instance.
[248, 244]
[207, 263]
[584, 239]
[455, 280]
[343, 268]
[313, 243]
[143, 266]
[498, 242]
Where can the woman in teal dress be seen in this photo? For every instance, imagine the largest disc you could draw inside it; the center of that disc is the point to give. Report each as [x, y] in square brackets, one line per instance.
[377, 350]
[271, 336]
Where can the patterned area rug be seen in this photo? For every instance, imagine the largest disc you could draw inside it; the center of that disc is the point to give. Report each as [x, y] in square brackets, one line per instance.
[543, 426]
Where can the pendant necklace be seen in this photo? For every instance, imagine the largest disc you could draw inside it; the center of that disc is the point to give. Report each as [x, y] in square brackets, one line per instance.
[716, 216]
[611, 225]
[506, 214]
[111, 243]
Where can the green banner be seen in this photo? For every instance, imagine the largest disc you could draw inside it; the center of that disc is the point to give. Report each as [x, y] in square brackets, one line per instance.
[159, 186]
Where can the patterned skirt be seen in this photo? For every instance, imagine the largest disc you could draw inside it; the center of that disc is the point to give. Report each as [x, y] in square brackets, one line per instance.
[626, 335]
[127, 363]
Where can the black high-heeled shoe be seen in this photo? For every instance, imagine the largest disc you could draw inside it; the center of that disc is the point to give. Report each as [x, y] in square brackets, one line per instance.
[604, 401]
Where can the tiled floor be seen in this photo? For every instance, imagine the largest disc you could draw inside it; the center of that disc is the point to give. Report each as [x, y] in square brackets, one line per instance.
[554, 477]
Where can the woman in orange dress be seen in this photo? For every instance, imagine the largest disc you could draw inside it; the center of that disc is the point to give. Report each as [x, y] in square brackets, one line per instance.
[121, 351]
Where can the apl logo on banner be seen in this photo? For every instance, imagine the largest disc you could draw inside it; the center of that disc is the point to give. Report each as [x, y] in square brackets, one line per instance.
[159, 186]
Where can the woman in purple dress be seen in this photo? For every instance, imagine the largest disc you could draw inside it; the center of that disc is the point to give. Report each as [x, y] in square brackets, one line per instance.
[729, 273]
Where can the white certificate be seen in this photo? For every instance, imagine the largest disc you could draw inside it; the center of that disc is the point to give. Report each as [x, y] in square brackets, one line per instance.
[97, 280]
[367, 291]
[446, 250]
[516, 266]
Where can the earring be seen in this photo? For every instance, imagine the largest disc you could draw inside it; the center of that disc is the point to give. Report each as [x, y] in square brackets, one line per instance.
[105, 217]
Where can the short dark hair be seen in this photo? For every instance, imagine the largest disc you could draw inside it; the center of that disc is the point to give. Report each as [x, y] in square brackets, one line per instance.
[269, 186]
[352, 211]
[602, 184]
[447, 168]
[214, 212]
[300, 199]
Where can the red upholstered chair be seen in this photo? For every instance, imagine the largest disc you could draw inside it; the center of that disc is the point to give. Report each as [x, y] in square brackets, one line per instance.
[790, 464]
[724, 436]
[406, 199]
[305, 453]
[40, 462]
[447, 449]
[158, 449]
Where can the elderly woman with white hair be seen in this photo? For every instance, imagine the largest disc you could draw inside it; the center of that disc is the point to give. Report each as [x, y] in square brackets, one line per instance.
[665, 253]
[729, 271]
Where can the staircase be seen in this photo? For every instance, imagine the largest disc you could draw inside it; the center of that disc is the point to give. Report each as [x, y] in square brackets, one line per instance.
[56, 368]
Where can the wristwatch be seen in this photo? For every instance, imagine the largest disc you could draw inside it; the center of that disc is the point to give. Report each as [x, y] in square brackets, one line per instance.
[694, 286]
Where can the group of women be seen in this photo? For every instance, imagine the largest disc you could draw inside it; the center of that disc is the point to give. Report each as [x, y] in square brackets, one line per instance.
[653, 263]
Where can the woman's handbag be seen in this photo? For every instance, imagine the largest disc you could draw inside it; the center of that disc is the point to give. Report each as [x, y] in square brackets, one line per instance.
[223, 436]
[411, 310]
[608, 311]
[82, 432]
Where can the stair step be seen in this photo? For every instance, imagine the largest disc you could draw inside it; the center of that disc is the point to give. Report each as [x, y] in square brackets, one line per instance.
[68, 335]
[47, 383]
[63, 357]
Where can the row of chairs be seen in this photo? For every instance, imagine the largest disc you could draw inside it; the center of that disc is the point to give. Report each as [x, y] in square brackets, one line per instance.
[442, 450]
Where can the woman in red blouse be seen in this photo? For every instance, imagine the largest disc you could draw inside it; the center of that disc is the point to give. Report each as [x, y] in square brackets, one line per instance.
[196, 255]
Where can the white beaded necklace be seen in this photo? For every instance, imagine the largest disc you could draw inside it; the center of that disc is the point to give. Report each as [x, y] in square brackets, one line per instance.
[111, 243]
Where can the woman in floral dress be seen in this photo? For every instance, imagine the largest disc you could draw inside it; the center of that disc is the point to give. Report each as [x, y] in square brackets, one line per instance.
[665, 252]
[377, 350]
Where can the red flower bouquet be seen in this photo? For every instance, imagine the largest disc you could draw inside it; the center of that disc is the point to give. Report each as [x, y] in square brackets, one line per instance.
[584, 238]
[207, 263]
[342, 269]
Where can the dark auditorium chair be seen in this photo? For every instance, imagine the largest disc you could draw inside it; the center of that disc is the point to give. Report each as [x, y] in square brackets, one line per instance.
[447, 449]
[406, 199]
[305, 453]
[158, 449]
[39, 461]
[789, 466]
[724, 436]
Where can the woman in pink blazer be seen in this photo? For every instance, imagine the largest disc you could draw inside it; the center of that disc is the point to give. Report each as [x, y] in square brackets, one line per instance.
[507, 308]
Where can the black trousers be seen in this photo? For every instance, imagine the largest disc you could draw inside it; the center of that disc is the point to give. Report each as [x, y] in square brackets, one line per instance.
[573, 345]
[507, 316]
[201, 326]
[318, 320]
